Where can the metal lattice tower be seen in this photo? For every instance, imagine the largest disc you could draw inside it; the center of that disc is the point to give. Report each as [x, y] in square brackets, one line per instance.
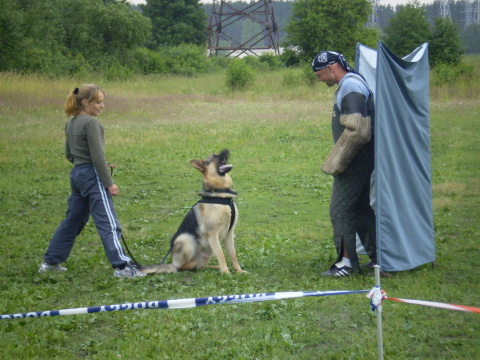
[445, 10]
[373, 19]
[224, 15]
[472, 12]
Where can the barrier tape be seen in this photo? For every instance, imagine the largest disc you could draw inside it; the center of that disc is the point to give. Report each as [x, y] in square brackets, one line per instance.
[181, 303]
[377, 295]
[438, 305]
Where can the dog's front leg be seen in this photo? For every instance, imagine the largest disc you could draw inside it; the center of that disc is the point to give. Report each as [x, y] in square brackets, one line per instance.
[214, 243]
[232, 254]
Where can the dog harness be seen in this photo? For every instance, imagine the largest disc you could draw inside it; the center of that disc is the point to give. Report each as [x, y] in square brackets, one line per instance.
[221, 201]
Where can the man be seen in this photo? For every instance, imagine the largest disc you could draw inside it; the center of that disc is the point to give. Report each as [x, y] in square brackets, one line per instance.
[351, 161]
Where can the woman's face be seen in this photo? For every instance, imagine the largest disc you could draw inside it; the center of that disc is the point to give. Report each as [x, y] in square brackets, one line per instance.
[94, 107]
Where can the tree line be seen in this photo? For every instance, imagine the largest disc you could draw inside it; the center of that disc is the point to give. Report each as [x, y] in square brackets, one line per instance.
[77, 37]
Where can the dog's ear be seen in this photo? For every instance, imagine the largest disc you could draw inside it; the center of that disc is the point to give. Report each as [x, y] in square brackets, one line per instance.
[199, 164]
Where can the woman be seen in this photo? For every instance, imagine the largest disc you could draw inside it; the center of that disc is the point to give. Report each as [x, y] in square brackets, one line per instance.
[92, 186]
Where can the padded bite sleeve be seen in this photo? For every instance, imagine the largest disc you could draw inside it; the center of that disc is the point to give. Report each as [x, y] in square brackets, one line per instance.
[356, 134]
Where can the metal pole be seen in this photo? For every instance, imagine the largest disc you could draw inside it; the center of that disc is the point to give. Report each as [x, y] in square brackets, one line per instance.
[378, 312]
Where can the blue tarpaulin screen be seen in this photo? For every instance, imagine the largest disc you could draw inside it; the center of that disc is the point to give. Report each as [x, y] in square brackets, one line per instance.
[402, 179]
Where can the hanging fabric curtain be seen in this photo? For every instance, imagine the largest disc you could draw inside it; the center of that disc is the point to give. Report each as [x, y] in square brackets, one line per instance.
[401, 192]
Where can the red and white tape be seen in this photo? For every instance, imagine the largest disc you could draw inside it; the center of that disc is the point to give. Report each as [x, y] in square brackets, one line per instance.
[438, 305]
[377, 295]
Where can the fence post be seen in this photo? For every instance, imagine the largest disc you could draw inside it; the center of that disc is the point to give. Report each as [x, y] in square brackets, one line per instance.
[378, 313]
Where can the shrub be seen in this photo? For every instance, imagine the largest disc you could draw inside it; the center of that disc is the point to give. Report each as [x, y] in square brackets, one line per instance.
[239, 75]
[118, 72]
[273, 61]
[290, 57]
[217, 63]
[448, 74]
[47, 62]
[299, 77]
[254, 62]
[308, 76]
[149, 61]
[185, 59]
[79, 66]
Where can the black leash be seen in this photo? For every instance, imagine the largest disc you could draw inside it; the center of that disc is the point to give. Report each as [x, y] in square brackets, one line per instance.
[165, 257]
[135, 262]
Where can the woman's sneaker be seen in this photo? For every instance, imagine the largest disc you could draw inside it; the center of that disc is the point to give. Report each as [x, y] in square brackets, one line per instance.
[129, 271]
[44, 267]
[338, 269]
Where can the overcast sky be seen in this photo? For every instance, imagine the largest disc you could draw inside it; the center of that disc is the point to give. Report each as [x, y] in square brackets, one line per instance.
[382, 2]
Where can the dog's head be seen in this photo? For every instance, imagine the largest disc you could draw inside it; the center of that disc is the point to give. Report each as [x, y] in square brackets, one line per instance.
[215, 171]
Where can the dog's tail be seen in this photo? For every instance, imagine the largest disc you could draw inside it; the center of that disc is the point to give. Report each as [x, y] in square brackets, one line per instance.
[158, 268]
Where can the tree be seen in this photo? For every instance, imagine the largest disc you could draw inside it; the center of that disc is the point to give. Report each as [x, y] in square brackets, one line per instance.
[96, 27]
[407, 29]
[471, 39]
[337, 25]
[12, 40]
[176, 22]
[61, 36]
[445, 46]
[121, 28]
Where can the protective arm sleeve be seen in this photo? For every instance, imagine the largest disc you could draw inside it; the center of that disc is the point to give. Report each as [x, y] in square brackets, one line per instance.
[356, 134]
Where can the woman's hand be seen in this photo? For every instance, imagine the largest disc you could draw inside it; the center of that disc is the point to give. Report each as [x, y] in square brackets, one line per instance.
[113, 190]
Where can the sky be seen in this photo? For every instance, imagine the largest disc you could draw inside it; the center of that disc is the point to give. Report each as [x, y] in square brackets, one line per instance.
[382, 2]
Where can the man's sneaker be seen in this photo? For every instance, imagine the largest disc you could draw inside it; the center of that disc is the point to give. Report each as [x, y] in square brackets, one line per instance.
[369, 265]
[338, 270]
[44, 267]
[129, 271]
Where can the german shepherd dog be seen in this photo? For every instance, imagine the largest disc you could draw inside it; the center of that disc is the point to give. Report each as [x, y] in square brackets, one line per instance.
[210, 221]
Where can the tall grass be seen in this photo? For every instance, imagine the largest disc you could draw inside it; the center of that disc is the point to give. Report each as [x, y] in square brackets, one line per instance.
[278, 133]
[458, 82]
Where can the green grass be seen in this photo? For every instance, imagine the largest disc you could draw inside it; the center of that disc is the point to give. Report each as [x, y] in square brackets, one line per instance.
[278, 136]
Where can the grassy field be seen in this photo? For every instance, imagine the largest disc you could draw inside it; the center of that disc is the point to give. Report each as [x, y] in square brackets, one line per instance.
[278, 136]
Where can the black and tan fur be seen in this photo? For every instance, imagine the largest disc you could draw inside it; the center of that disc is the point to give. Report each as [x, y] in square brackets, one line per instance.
[208, 223]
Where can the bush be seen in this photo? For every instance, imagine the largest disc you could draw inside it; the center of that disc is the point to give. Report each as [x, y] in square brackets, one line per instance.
[185, 59]
[149, 61]
[116, 71]
[78, 66]
[448, 74]
[289, 57]
[239, 75]
[308, 76]
[299, 77]
[217, 63]
[263, 62]
[43, 61]
[253, 62]
[273, 61]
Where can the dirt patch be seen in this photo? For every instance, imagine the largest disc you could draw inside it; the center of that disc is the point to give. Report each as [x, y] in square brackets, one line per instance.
[450, 188]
